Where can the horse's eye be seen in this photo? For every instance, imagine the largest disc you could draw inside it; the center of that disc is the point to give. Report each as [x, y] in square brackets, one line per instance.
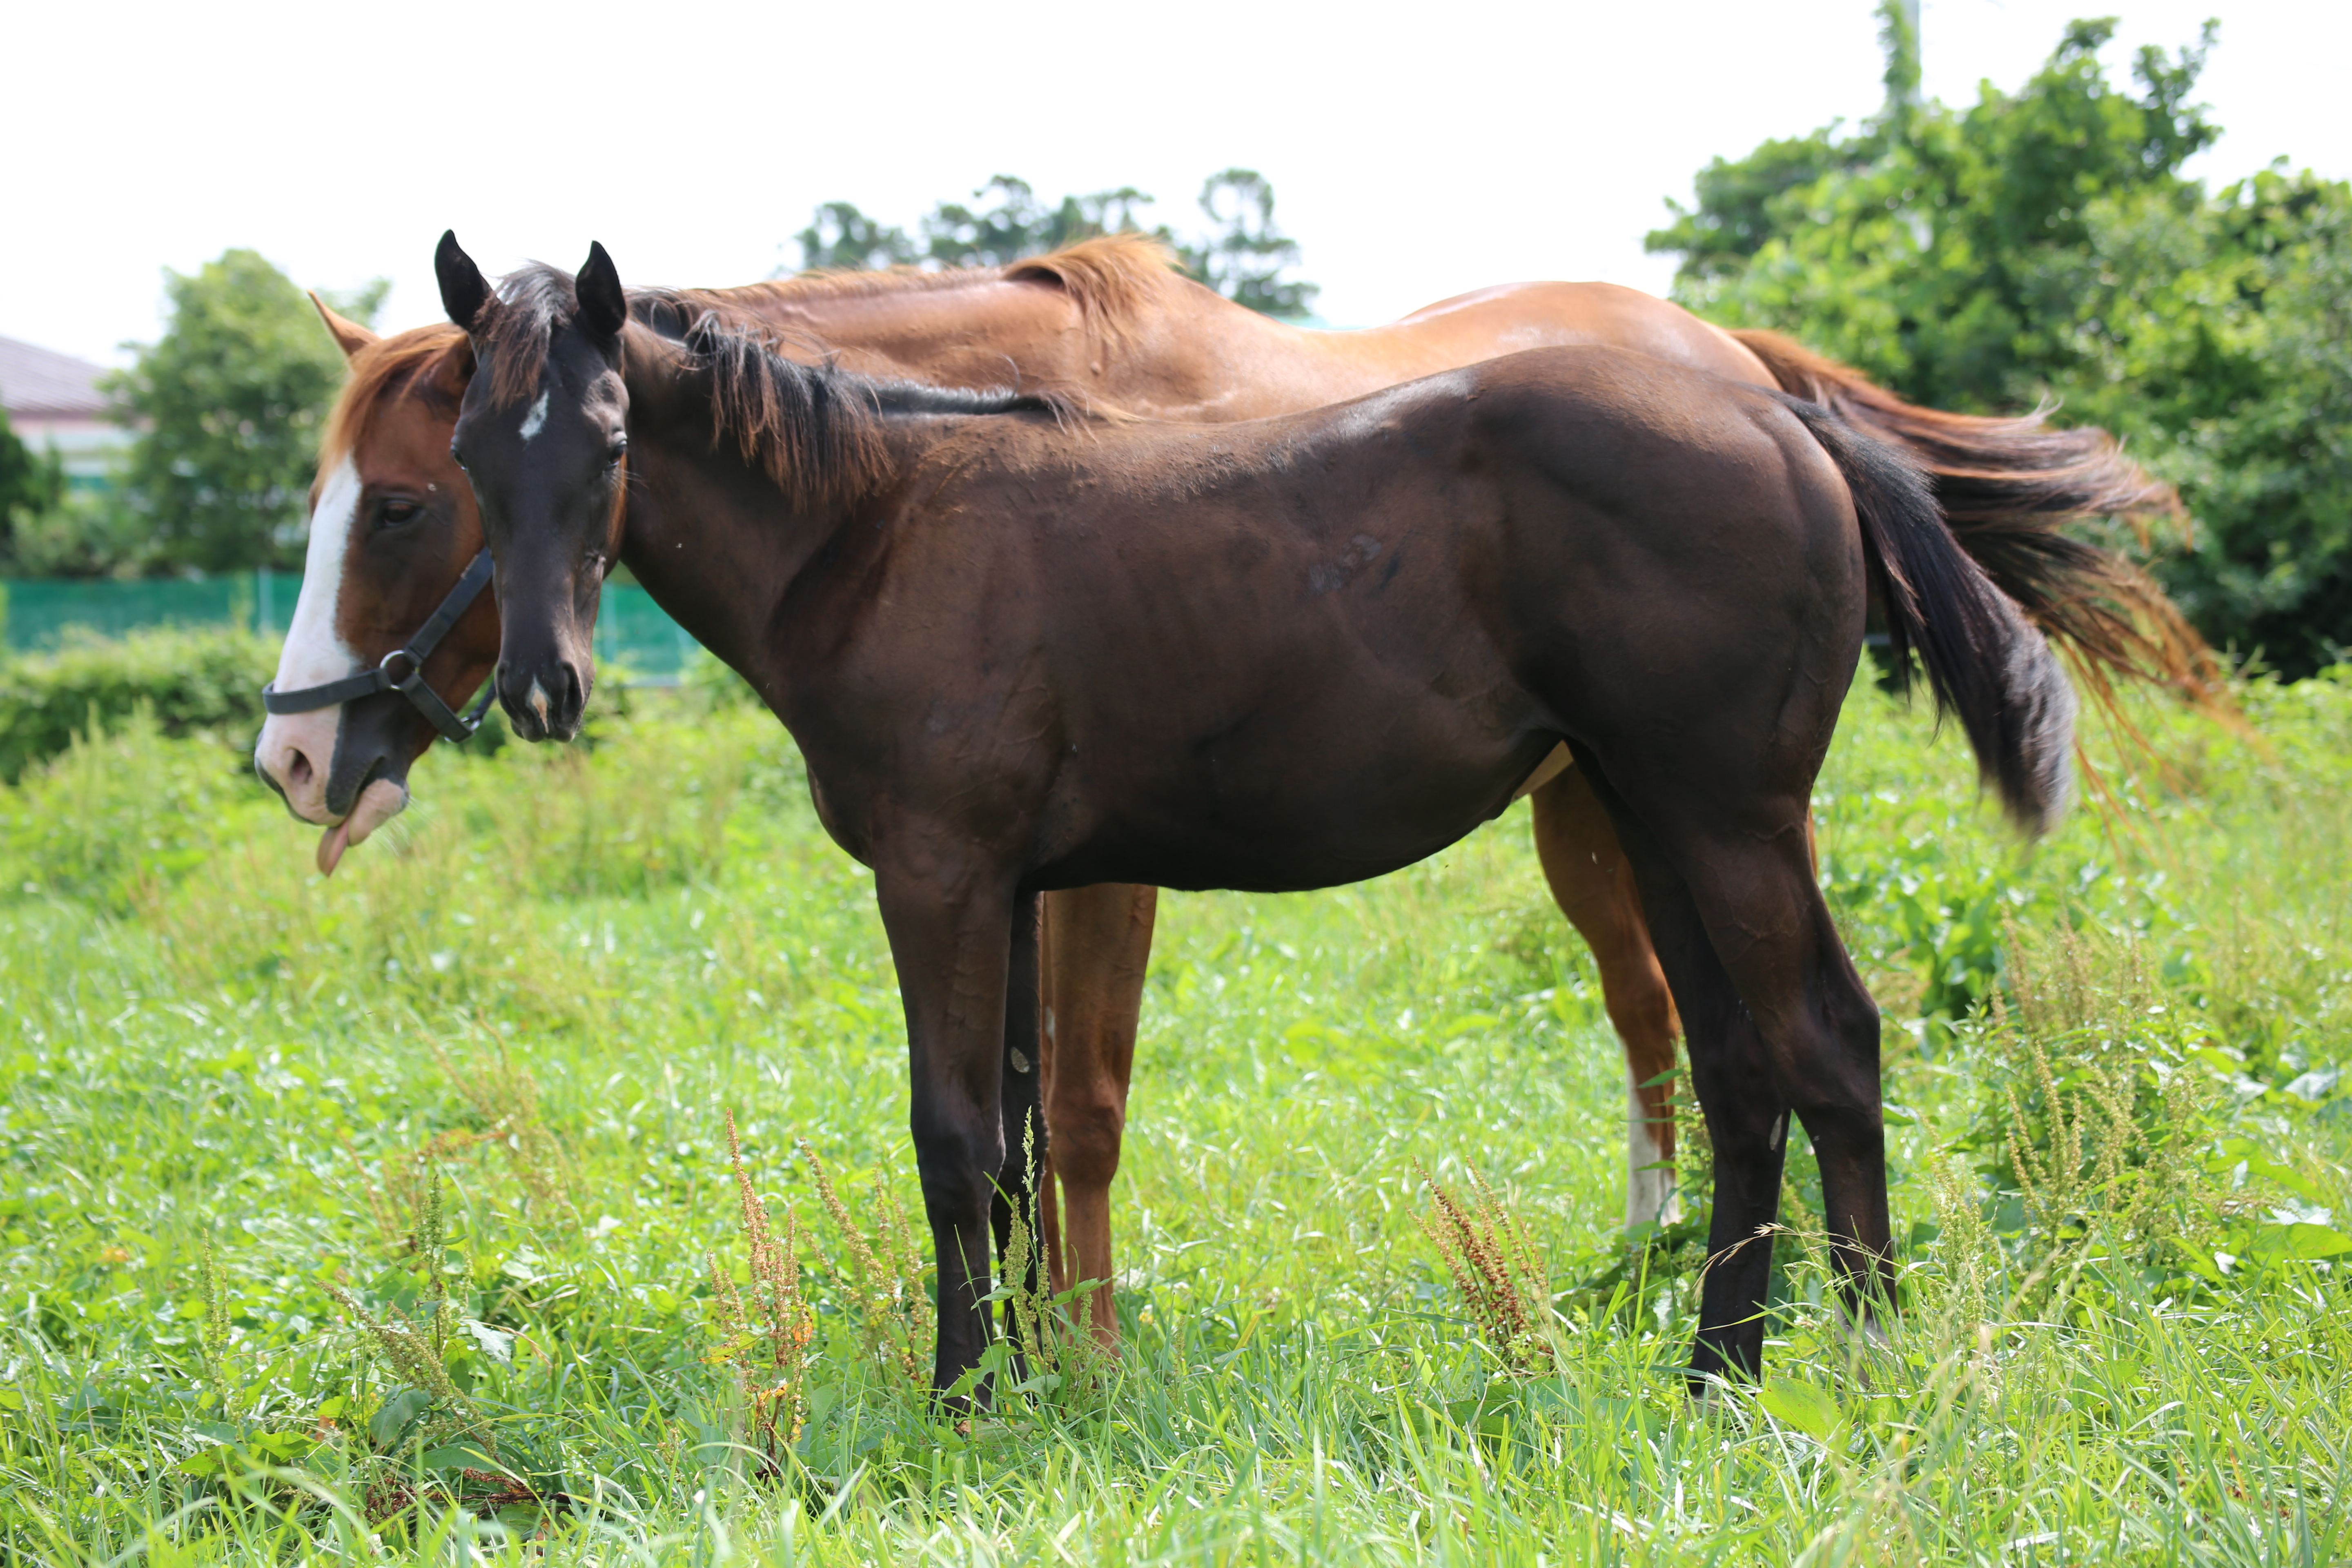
[617, 451]
[456, 456]
[393, 512]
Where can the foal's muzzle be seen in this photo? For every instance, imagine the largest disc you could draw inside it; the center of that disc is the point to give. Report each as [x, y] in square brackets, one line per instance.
[545, 698]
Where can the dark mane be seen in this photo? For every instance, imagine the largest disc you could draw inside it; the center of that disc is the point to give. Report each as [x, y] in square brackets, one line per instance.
[815, 430]
[515, 328]
[812, 429]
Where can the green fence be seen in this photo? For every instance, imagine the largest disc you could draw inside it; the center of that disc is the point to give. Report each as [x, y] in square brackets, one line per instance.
[38, 614]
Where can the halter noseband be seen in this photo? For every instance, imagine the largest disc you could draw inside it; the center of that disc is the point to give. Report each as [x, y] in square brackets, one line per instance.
[455, 727]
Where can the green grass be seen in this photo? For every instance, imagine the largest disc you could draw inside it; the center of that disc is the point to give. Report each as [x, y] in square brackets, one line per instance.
[561, 967]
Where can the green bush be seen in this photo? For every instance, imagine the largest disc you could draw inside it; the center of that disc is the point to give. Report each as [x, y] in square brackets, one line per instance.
[710, 685]
[194, 680]
[121, 811]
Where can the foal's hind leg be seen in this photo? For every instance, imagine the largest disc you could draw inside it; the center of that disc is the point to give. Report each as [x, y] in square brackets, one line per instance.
[1097, 948]
[1778, 1021]
[1593, 884]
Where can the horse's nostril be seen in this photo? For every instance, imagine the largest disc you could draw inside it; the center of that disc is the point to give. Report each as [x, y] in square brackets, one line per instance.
[297, 770]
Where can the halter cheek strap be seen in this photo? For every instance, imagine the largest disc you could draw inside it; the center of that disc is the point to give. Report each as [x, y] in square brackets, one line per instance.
[403, 669]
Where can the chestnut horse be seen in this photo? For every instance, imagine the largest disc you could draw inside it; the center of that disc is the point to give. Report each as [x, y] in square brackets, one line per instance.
[1023, 650]
[395, 529]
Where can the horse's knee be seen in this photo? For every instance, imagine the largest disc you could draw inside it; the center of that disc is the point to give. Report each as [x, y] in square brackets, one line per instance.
[1086, 1130]
[1838, 1079]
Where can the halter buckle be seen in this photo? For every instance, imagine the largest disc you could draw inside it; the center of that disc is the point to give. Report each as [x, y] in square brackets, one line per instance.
[403, 684]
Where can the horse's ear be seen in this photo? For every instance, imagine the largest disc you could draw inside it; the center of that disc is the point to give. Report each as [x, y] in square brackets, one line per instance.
[464, 292]
[603, 307]
[349, 335]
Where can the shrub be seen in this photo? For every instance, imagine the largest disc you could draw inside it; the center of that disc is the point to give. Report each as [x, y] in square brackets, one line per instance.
[194, 680]
[121, 811]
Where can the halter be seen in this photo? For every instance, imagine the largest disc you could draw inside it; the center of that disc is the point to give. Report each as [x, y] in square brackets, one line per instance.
[455, 727]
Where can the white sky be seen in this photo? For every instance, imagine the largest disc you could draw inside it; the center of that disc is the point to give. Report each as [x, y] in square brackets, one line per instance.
[1415, 152]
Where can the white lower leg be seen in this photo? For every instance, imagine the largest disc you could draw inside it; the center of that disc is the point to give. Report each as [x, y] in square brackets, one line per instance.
[1651, 1194]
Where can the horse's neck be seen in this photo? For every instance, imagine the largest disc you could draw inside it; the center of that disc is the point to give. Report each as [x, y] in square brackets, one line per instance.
[712, 537]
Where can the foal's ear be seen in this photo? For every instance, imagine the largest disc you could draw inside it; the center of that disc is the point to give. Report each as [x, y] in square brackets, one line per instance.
[349, 335]
[464, 292]
[604, 308]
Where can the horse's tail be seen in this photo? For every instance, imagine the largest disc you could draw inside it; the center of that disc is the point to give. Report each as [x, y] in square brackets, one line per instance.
[1985, 664]
[2005, 487]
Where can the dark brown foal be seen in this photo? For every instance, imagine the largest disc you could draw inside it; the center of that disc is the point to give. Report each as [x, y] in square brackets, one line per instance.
[1386, 614]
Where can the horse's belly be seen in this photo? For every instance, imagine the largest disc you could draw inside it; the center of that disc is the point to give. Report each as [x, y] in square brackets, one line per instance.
[1309, 823]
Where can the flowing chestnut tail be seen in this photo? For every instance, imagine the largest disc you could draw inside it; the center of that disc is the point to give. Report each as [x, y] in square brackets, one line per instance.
[1985, 664]
[2005, 487]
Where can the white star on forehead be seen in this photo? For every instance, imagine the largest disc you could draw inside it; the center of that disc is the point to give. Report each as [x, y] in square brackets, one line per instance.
[536, 420]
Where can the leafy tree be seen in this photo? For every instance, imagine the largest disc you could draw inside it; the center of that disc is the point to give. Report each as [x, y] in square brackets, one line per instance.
[1244, 258]
[842, 238]
[32, 485]
[2219, 334]
[1917, 247]
[1247, 256]
[233, 396]
[1017, 223]
[2044, 245]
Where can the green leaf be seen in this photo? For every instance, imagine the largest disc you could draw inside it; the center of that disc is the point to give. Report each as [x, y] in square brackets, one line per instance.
[394, 1416]
[2293, 1181]
[455, 1457]
[282, 1446]
[1799, 1405]
[496, 1343]
[2301, 1242]
[212, 1461]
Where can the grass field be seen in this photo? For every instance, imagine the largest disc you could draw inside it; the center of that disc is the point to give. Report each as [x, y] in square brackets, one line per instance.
[377, 1217]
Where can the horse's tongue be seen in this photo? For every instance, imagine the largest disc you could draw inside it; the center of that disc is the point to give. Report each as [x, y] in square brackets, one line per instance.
[331, 845]
[377, 804]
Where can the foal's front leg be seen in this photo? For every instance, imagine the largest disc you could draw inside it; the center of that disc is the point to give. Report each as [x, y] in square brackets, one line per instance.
[951, 928]
[1021, 1178]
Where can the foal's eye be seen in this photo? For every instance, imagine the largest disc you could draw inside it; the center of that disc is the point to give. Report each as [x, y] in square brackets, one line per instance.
[392, 513]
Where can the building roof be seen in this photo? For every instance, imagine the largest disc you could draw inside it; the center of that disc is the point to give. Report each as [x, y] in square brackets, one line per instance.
[42, 382]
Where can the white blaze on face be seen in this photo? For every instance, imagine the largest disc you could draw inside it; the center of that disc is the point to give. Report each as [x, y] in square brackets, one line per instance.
[536, 420]
[297, 749]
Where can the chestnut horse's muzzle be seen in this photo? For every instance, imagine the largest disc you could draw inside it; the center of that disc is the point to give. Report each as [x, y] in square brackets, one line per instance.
[403, 669]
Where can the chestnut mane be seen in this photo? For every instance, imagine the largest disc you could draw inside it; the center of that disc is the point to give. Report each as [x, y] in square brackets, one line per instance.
[1111, 278]
[405, 363]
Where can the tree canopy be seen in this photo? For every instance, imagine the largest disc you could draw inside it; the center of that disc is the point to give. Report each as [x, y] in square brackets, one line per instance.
[32, 485]
[1242, 254]
[232, 395]
[2044, 246]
